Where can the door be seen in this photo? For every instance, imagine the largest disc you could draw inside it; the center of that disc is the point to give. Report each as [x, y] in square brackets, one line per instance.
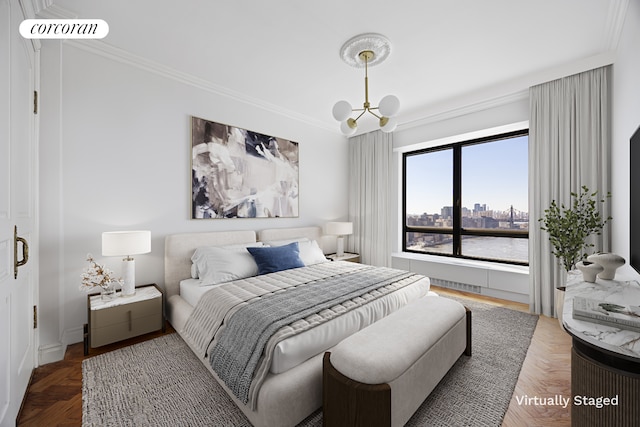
[18, 207]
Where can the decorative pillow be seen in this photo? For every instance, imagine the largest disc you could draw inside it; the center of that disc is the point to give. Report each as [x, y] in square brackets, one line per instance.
[277, 258]
[218, 264]
[310, 252]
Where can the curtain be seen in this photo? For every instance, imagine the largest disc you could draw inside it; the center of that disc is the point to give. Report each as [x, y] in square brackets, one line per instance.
[569, 146]
[369, 197]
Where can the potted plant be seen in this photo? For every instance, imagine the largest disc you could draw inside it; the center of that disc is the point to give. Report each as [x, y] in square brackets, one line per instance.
[569, 228]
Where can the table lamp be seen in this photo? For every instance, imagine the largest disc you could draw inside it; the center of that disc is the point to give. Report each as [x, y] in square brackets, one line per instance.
[126, 243]
[340, 229]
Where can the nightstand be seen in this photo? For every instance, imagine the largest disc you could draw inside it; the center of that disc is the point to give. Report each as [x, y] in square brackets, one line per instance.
[346, 257]
[124, 316]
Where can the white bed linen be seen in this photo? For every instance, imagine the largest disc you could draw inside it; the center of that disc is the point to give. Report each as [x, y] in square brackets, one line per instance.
[191, 290]
[298, 348]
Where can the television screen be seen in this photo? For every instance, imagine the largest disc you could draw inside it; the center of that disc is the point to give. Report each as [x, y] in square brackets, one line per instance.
[634, 201]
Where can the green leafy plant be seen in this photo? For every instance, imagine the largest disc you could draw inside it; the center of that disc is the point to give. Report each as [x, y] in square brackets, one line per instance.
[569, 228]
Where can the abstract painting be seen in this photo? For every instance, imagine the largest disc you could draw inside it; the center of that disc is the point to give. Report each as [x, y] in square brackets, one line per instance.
[238, 173]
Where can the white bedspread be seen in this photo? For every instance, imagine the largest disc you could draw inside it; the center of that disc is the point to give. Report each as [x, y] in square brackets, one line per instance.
[296, 349]
[191, 291]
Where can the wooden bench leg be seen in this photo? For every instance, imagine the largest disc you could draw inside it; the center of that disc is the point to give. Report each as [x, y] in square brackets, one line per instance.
[346, 402]
[467, 351]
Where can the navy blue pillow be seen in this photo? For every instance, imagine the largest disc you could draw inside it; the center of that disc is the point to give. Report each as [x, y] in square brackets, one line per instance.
[277, 258]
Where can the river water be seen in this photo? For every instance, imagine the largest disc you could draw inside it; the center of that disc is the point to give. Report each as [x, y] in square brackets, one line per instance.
[498, 248]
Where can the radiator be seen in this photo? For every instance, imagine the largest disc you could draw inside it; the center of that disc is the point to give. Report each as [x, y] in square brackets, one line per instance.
[456, 285]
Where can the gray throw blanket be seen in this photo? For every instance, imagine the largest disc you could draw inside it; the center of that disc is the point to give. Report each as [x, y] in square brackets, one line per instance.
[237, 353]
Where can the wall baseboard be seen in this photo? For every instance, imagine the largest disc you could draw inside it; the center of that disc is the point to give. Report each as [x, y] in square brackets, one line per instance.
[55, 352]
[51, 353]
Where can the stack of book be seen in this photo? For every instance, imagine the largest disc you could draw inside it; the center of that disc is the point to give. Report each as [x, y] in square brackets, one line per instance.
[607, 313]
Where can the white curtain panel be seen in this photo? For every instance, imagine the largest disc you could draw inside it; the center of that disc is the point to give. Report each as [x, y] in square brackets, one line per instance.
[369, 197]
[569, 146]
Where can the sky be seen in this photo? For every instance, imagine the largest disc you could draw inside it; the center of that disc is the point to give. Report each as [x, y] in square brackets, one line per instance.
[495, 174]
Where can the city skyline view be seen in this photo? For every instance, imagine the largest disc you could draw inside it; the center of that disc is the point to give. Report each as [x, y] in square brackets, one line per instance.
[494, 174]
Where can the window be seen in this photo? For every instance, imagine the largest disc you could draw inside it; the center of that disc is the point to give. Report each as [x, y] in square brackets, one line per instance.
[469, 199]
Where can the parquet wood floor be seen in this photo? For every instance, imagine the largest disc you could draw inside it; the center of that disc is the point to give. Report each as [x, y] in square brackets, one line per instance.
[546, 371]
[54, 397]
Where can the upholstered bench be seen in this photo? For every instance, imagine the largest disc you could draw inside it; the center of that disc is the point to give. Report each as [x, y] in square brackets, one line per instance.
[380, 375]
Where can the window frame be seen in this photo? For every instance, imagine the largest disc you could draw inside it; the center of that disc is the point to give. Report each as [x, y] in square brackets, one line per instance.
[457, 231]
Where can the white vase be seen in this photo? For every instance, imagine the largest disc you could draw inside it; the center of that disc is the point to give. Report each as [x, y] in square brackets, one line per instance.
[589, 270]
[610, 262]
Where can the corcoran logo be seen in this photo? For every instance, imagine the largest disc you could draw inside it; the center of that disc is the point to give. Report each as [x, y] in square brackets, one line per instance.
[64, 28]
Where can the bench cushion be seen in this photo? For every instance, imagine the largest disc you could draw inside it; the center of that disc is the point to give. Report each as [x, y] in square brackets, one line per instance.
[384, 350]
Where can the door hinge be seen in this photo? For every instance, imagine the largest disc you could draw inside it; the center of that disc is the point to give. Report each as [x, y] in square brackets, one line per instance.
[35, 102]
[35, 317]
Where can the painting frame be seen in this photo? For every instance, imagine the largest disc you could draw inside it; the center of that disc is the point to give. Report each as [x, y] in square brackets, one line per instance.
[239, 173]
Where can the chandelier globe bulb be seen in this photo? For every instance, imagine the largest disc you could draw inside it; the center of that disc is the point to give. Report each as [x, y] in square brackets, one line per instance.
[389, 105]
[388, 125]
[348, 127]
[341, 110]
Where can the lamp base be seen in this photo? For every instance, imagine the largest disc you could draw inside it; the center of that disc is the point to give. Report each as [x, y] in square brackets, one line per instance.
[128, 276]
[340, 246]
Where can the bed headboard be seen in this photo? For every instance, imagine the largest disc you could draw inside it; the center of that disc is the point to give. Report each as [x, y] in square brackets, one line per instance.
[271, 234]
[178, 249]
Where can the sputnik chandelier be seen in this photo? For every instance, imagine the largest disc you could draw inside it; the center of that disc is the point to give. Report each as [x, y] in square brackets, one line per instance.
[366, 50]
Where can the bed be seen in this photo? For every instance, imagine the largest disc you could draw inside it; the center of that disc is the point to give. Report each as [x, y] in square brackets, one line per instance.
[290, 386]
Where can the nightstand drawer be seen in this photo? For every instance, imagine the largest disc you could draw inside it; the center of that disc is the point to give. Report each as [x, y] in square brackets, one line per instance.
[124, 330]
[124, 317]
[124, 313]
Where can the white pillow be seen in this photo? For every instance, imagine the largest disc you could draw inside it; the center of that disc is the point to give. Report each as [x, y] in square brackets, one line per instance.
[219, 264]
[310, 252]
[285, 241]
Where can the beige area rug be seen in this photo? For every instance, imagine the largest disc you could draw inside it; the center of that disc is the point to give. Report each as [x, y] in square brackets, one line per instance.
[162, 383]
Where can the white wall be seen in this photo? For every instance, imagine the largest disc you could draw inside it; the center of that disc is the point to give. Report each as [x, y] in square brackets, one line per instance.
[115, 155]
[626, 119]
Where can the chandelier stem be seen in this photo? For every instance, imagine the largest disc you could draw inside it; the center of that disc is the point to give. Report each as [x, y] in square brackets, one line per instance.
[365, 56]
[366, 86]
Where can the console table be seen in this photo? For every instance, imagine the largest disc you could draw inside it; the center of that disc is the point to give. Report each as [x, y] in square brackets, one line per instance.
[605, 361]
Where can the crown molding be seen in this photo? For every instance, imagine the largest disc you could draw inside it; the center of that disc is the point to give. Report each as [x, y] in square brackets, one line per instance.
[48, 10]
[108, 51]
[504, 93]
[467, 108]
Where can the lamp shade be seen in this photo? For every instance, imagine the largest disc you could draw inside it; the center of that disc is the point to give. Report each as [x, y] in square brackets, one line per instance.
[340, 228]
[116, 243]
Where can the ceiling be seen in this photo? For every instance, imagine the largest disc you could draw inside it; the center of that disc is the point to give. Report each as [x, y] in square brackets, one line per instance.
[284, 54]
